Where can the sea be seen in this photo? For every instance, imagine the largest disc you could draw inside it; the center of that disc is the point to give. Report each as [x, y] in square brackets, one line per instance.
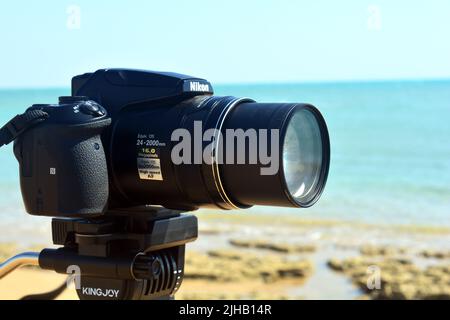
[390, 151]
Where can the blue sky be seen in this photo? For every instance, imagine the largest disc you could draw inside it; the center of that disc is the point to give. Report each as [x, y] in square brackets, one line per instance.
[45, 44]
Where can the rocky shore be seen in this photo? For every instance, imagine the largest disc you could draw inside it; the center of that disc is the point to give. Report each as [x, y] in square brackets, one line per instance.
[399, 279]
[276, 257]
[286, 259]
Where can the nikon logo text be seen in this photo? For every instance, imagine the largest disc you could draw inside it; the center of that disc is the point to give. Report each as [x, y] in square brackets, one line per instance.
[197, 86]
[98, 292]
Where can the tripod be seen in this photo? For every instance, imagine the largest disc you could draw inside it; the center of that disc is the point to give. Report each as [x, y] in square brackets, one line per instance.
[132, 254]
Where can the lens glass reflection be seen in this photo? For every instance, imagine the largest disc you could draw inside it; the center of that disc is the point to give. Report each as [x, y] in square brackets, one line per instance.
[302, 155]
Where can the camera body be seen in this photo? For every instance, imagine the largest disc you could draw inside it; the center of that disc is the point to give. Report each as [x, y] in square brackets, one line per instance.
[64, 160]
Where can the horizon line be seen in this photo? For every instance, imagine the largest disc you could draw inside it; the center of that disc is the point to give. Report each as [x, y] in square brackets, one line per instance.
[268, 82]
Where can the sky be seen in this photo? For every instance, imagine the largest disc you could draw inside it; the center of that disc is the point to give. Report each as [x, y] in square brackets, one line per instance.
[44, 43]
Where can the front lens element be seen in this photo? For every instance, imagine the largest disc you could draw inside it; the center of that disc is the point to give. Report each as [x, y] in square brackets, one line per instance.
[302, 155]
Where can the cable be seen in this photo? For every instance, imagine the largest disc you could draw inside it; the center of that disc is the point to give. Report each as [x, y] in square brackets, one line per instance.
[29, 258]
[50, 295]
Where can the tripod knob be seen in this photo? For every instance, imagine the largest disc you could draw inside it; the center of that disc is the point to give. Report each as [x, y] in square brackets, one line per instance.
[147, 266]
[161, 271]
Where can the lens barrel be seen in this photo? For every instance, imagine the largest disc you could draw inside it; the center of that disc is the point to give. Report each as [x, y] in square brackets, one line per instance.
[298, 125]
[236, 153]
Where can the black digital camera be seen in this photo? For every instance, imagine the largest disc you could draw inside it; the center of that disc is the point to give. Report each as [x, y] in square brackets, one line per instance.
[106, 163]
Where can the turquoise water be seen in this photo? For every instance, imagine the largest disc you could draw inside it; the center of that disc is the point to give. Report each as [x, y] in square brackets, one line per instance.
[390, 143]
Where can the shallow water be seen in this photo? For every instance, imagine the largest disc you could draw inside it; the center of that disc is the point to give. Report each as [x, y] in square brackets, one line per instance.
[325, 283]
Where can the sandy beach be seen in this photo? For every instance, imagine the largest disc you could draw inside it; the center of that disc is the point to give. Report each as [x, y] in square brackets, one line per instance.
[247, 256]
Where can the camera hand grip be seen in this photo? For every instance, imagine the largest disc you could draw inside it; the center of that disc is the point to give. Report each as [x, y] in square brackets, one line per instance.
[63, 169]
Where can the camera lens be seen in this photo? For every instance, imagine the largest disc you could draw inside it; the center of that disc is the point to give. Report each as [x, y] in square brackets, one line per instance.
[299, 162]
[220, 152]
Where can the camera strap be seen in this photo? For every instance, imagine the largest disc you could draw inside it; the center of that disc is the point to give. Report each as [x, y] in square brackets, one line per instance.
[19, 124]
